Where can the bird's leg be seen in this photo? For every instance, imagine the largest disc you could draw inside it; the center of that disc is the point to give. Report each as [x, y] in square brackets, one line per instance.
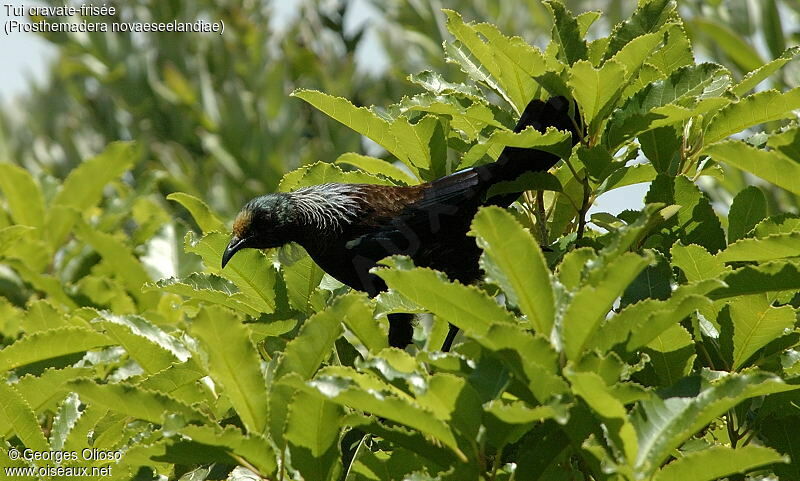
[448, 341]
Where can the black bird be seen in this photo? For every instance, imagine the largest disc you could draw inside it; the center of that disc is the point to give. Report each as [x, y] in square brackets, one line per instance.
[348, 228]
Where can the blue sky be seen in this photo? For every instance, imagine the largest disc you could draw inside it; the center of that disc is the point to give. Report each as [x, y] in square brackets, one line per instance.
[23, 57]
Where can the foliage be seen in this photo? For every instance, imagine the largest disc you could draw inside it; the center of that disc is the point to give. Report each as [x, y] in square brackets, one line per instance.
[660, 345]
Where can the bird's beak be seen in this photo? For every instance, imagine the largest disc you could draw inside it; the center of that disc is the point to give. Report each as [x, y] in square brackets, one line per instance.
[234, 246]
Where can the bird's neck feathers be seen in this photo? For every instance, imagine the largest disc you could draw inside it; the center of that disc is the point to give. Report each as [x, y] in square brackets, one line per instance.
[326, 208]
[311, 216]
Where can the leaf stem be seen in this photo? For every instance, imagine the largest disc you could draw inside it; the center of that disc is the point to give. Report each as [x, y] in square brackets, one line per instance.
[587, 190]
[730, 423]
[247, 465]
[355, 456]
[541, 218]
[496, 464]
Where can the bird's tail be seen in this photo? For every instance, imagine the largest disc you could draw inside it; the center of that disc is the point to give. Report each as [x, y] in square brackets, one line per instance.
[514, 161]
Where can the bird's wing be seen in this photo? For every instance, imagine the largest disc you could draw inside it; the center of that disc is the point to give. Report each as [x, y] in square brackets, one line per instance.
[429, 220]
[425, 222]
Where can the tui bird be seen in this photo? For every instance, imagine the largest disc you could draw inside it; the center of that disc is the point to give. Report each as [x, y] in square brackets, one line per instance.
[348, 228]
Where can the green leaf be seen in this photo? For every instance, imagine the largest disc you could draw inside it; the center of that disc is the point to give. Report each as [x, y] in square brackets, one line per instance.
[506, 422]
[305, 353]
[375, 166]
[420, 145]
[457, 53]
[252, 447]
[367, 393]
[767, 277]
[425, 447]
[590, 305]
[11, 234]
[596, 90]
[508, 65]
[133, 401]
[649, 17]
[779, 434]
[107, 293]
[662, 147]
[18, 418]
[302, 278]
[667, 101]
[313, 423]
[755, 77]
[23, 195]
[566, 33]
[312, 430]
[83, 187]
[250, 269]
[675, 310]
[201, 212]
[49, 344]
[633, 55]
[696, 222]
[638, 324]
[200, 287]
[451, 398]
[466, 307]
[516, 412]
[358, 317]
[772, 247]
[152, 348]
[554, 141]
[696, 262]
[787, 142]
[423, 144]
[531, 359]
[324, 172]
[664, 424]
[471, 118]
[675, 53]
[751, 111]
[629, 236]
[84, 429]
[771, 166]
[435, 83]
[48, 284]
[624, 176]
[718, 462]
[233, 364]
[573, 266]
[773, 31]
[586, 20]
[593, 390]
[671, 355]
[597, 161]
[749, 207]
[755, 324]
[180, 382]
[513, 260]
[59, 221]
[654, 282]
[46, 390]
[360, 119]
[744, 55]
[514, 57]
[779, 224]
[127, 268]
[64, 420]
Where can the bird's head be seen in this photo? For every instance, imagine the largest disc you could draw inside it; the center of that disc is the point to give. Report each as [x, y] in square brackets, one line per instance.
[264, 222]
